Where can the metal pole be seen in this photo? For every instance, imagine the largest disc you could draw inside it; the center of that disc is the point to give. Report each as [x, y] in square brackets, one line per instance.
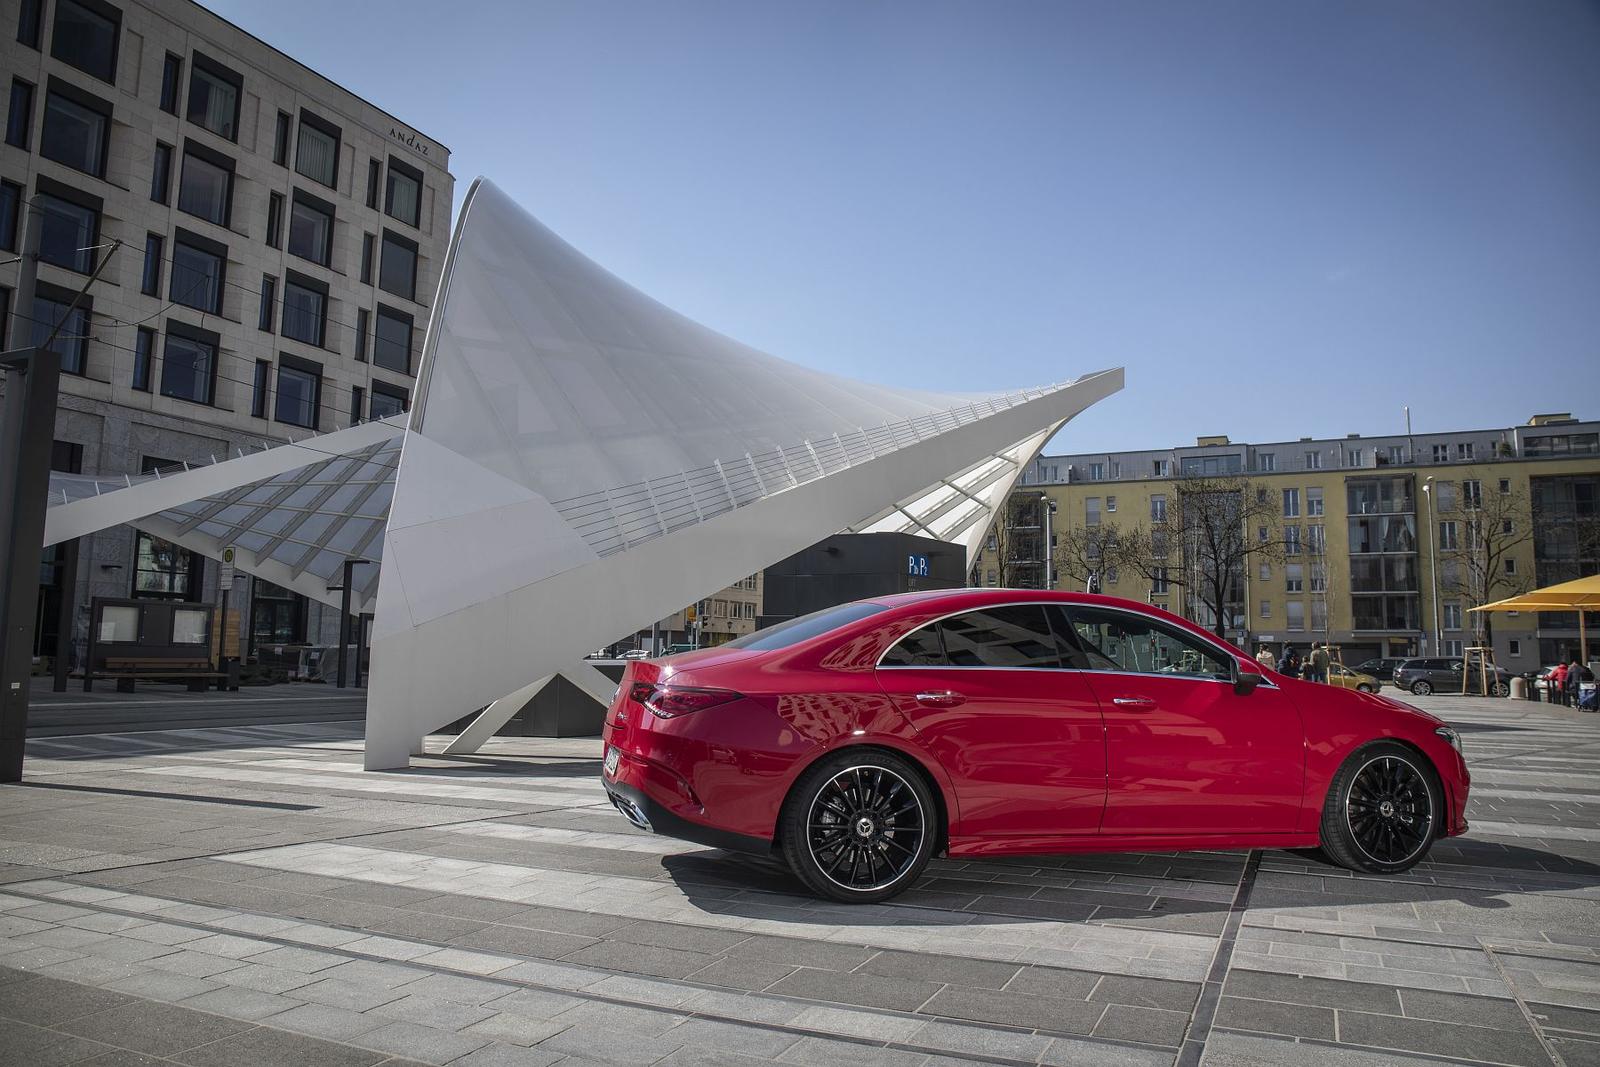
[344, 614]
[1049, 535]
[68, 613]
[1433, 567]
[361, 645]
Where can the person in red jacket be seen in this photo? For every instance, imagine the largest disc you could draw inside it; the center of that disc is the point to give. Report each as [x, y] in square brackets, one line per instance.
[1556, 685]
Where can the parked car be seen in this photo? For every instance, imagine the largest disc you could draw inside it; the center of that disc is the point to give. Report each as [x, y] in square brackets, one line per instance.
[1345, 678]
[1443, 674]
[1381, 668]
[635, 653]
[857, 742]
[673, 650]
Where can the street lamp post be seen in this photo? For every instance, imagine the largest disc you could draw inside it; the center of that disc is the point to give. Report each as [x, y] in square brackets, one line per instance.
[1048, 506]
[1433, 564]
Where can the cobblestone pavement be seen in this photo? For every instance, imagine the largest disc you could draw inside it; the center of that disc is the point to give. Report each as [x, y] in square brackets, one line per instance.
[247, 895]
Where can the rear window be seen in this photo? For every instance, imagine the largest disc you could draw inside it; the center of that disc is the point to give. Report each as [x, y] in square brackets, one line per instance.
[786, 634]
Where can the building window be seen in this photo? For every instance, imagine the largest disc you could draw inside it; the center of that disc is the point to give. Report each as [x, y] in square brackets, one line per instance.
[1314, 500]
[1111, 504]
[387, 400]
[316, 153]
[72, 338]
[1158, 508]
[397, 267]
[1313, 461]
[1091, 511]
[1448, 539]
[280, 139]
[1294, 578]
[214, 97]
[1291, 503]
[197, 273]
[357, 394]
[1158, 581]
[1267, 462]
[1264, 572]
[68, 232]
[5, 314]
[1441, 453]
[189, 364]
[374, 181]
[163, 570]
[144, 347]
[1511, 567]
[367, 241]
[1294, 613]
[1464, 450]
[275, 220]
[363, 328]
[30, 17]
[269, 303]
[305, 310]
[161, 173]
[1514, 647]
[403, 199]
[85, 36]
[19, 120]
[1291, 540]
[153, 246]
[1116, 470]
[1452, 614]
[206, 187]
[1316, 539]
[1505, 486]
[391, 342]
[1266, 609]
[258, 394]
[76, 129]
[171, 79]
[311, 229]
[1097, 472]
[1161, 468]
[10, 217]
[1353, 457]
[1451, 648]
[1319, 578]
[299, 392]
[1472, 494]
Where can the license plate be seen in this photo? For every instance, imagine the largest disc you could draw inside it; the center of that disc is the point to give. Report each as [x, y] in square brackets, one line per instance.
[612, 756]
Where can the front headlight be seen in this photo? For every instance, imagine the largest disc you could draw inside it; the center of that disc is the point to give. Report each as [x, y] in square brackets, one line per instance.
[1451, 736]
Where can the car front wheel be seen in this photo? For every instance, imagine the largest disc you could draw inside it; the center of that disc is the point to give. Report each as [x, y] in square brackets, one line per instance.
[1367, 688]
[1422, 689]
[859, 827]
[1382, 810]
[1500, 689]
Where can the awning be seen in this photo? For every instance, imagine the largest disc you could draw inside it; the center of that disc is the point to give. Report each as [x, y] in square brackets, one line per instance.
[1582, 594]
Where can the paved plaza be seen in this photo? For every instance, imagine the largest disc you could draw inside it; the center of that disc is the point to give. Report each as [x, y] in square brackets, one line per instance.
[246, 895]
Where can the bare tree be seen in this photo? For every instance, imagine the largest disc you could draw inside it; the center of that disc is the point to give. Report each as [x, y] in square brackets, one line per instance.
[1088, 552]
[1491, 529]
[1211, 533]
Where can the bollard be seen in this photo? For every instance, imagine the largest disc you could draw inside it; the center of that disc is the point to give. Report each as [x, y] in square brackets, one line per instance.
[1519, 688]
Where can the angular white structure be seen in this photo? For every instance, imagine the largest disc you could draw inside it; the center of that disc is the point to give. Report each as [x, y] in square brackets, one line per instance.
[600, 461]
[579, 461]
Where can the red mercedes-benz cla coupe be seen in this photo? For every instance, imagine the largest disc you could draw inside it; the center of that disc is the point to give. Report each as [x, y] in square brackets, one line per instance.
[860, 741]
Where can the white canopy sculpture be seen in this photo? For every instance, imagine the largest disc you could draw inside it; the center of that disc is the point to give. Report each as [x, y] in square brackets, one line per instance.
[579, 461]
[582, 460]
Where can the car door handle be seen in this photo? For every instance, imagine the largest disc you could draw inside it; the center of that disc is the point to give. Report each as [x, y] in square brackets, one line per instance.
[941, 698]
[1133, 702]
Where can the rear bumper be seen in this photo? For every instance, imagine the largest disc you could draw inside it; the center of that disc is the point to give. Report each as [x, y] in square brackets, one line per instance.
[639, 808]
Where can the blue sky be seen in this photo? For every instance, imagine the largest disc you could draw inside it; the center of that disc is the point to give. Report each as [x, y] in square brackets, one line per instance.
[1283, 218]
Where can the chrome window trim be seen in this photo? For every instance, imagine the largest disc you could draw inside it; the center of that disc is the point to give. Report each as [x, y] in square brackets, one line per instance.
[1265, 682]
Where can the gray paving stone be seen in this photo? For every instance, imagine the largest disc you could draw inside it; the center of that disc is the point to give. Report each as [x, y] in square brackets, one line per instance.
[352, 995]
[1016, 1009]
[902, 994]
[980, 1040]
[513, 1029]
[534, 1003]
[1457, 1008]
[422, 1043]
[640, 959]
[48, 1001]
[1146, 992]
[266, 979]
[614, 1046]
[740, 973]
[154, 1028]
[711, 1057]
[1054, 982]
[1155, 1026]
[677, 935]
[749, 1040]
[261, 1046]
[430, 1011]
[22, 1045]
[1440, 1039]
[241, 1003]
[323, 1020]
[508, 1056]
[523, 941]
[799, 953]
[159, 985]
[1319, 992]
[986, 974]
[819, 1052]
[1274, 1017]
[1558, 1017]
[621, 1017]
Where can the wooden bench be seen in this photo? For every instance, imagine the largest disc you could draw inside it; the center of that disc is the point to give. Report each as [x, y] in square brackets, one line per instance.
[126, 669]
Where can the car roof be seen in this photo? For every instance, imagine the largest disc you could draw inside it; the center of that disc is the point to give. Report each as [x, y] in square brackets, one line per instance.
[979, 595]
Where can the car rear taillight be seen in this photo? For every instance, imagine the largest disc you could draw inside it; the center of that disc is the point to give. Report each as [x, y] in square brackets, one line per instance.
[670, 701]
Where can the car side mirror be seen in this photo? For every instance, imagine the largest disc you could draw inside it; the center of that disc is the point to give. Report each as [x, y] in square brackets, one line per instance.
[1244, 682]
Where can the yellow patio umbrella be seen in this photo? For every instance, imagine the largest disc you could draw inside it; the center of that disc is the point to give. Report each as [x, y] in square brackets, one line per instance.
[1580, 595]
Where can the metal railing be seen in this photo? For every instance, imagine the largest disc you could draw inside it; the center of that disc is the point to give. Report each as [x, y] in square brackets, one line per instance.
[617, 519]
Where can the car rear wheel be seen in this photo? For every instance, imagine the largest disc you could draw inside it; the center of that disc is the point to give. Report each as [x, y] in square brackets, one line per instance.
[1422, 689]
[1500, 689]
[1365, 688]
[859, 827]
[1382, 810]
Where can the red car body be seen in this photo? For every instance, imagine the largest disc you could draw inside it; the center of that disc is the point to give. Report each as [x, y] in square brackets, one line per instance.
[1021, 760]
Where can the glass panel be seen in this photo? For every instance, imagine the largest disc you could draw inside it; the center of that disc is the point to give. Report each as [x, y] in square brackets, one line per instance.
[405, 194]
[397, 270]
[189, 626]
[161, 568]
[1014, 636]
[66, 233]
[196, 278]
[1125, 641]
[297, 397]
[86, 39]
[382, 404]
[204, 189]
[119, 623]
[786, 634]
[71, 339]
[186, 369]
[317, 154]
[392, 342]
[920, 648]
[213, 103]
[309, 231]
[74, 135]
[302, 314]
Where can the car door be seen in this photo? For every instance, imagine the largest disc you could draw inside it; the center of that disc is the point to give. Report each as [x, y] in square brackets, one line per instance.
[1021, 737]
[1185, 752]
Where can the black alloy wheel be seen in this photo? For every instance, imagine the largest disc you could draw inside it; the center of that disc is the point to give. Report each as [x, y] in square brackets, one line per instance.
[859, 828]
[1382, 809]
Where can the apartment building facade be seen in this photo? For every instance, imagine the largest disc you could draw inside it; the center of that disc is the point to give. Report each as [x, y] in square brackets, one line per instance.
[1385, 543]
[280, 244]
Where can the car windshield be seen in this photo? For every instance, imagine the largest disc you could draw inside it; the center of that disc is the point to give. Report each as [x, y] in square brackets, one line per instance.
[805, 627]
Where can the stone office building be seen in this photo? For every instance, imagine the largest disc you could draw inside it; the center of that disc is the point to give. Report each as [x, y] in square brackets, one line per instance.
[280, 244]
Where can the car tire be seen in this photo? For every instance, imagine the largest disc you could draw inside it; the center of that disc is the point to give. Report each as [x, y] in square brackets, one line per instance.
[1383, 809]
[1422, 689]
[859, 826]
[1500, 689]
[1367, 688]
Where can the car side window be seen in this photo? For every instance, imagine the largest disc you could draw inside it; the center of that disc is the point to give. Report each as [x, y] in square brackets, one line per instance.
[1126, 641]
[919, 648]
[1015, 635]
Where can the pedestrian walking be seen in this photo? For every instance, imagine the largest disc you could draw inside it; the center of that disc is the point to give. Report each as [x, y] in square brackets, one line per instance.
[1319, 662]
[1264, 657]
[1556, 684]
[1289, 662]
[1573, 683]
